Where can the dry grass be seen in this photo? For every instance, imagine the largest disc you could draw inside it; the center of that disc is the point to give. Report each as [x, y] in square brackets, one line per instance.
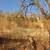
[17, 26]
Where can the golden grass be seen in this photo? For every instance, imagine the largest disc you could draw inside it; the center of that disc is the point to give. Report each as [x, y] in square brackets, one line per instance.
[20, 27]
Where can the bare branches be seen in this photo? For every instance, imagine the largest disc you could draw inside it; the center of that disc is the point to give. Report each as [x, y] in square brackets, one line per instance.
[25, 6]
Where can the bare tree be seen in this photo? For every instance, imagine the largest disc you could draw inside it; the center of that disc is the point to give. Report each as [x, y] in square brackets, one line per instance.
[25, 6]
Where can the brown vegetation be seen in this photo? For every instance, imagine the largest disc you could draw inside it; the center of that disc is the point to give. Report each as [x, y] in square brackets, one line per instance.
[49, 4]
[29, 34]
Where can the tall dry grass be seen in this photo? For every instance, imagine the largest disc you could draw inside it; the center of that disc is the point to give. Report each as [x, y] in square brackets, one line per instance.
[16, 26]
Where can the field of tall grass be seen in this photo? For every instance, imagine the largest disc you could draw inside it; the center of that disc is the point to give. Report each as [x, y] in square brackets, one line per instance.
[17, 26]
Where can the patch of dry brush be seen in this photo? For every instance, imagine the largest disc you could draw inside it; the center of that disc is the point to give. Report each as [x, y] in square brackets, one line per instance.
[16, 26]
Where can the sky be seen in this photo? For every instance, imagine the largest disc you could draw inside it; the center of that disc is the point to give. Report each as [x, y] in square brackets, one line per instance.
[49, 0]
[9, 5]
[14, 6]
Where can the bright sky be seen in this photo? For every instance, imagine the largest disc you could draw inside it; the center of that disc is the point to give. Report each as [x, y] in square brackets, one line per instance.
[13, 6]
[9, 5]
[49, 0]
